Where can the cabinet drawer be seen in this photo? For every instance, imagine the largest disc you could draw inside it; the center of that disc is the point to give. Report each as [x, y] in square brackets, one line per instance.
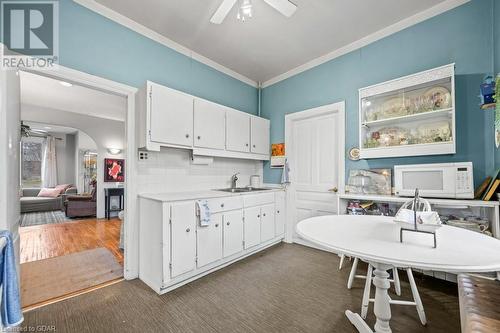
[224, 204]
[258, 199]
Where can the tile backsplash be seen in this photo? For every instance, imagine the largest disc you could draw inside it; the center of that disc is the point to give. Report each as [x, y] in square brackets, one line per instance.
[171, 170]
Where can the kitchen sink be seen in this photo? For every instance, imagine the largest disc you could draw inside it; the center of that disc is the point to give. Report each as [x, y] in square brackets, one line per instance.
[243, 189]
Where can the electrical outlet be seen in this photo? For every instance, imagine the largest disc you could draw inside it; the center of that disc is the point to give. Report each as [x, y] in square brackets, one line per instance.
[143, 155]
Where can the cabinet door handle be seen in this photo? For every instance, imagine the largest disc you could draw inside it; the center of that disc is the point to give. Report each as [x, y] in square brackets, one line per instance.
[199, 137]
[253, 146]
[246, 144]
[217, 225]
[187, 136]
[188, 230]
[278, 211]
[258, 216]
[222, 205]
[228, 223]
[264, 214]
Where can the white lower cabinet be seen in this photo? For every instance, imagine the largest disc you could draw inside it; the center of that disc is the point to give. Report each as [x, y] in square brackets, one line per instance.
[209, 241]
[174, 249]
[233, 232]
[182, 238]
[280, 210]
[267, 226]
[252, 226]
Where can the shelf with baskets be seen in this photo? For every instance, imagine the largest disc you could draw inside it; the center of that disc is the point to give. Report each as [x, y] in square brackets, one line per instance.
[409, 116]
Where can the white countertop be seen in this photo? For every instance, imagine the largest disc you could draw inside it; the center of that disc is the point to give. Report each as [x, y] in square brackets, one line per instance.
[436, 201]
[202, 194]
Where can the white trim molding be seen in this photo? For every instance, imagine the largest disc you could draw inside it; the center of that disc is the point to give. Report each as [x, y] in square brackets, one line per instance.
[387, 31]
[131, 234]
[153, 35]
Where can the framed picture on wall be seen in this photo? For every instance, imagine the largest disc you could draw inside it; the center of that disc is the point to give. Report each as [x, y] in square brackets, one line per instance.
[114, 170]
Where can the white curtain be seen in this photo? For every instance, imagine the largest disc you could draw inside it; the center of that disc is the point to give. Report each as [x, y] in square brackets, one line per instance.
[49, 163]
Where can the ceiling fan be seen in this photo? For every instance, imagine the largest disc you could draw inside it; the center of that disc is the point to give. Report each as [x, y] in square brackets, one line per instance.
[27, 131]
[285, 7]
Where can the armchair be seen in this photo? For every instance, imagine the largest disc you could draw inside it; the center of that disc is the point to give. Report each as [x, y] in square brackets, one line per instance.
[81, 205]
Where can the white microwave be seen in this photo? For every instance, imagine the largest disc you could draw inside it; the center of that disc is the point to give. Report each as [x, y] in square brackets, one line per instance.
[440, 180]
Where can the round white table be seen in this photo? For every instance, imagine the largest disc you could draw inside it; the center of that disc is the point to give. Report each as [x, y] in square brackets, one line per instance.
[376, 240]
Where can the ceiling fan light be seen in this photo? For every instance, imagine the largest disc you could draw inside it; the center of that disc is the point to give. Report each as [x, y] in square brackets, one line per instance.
[245, 10]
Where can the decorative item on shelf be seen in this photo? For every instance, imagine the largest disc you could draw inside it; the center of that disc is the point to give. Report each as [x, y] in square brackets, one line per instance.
[354, 154]
[114, 170]
[434, 132]
[492, 186]
[372, 181]
[387, 136]
[277, 155]
[418, 212]
[487, 93]
[439, 98]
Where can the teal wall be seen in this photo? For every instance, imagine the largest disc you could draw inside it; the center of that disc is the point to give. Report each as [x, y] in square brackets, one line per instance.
[91, 43]
[463, 36]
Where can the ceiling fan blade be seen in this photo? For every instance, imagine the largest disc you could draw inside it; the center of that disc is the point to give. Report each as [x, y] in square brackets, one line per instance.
[222, 11]
[285, 7]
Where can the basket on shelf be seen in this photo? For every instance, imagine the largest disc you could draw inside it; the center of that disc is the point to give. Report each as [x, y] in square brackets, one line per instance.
[416, 215]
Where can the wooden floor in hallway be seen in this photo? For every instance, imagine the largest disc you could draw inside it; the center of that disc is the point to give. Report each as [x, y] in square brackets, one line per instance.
[62, 259]
[287, 288]
[53, 240]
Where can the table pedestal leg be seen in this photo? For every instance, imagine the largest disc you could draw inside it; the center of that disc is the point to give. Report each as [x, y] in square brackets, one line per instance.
[382, 307]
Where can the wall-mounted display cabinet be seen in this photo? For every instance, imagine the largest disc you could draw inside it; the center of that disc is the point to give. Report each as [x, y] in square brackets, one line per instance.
[409, 116]
[170, 118]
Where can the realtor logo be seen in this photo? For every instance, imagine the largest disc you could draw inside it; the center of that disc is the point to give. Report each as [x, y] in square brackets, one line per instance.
[30, 34]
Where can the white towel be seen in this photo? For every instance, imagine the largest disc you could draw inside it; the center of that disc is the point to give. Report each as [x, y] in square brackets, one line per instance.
[285, 176]
[203, 212]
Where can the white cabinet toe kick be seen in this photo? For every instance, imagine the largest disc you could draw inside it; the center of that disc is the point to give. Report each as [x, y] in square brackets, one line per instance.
[175, 249]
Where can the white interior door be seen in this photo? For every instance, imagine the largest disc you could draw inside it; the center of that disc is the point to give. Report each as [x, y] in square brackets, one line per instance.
[315, 152]
[10, 112]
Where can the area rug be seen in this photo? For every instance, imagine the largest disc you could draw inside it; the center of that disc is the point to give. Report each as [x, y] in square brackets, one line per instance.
[38, 218]
[46, 279]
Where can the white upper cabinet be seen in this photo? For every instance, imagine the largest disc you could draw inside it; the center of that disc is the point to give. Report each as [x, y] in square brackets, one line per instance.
[409, 116]
[237, 131]
[171, 116]
[259, 133]
[209, 125]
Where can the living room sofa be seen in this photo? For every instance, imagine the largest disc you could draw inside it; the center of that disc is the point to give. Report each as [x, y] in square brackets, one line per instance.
[31, 202]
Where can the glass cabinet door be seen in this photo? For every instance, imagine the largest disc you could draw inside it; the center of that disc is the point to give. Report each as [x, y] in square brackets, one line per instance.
[419, 114]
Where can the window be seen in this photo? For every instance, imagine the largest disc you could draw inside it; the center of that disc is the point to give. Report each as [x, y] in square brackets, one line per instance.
[31, 162]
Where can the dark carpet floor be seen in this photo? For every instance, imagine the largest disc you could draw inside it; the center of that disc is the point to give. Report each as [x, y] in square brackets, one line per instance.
[287, 288]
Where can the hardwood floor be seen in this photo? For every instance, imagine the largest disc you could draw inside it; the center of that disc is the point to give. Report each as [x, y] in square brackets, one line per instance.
[287, 288]
[53, 240]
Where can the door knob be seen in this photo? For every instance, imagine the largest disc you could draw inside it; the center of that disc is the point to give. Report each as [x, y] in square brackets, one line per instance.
[335, 190]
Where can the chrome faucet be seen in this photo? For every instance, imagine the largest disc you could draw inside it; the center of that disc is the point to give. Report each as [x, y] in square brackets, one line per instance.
[234, 179]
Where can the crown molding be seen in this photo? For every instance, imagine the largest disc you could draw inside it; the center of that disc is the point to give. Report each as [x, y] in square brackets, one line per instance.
[153, 35]
[401, 25]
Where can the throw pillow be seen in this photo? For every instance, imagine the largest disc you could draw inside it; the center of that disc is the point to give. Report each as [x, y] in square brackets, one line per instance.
[62, 188]
[49, 192]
